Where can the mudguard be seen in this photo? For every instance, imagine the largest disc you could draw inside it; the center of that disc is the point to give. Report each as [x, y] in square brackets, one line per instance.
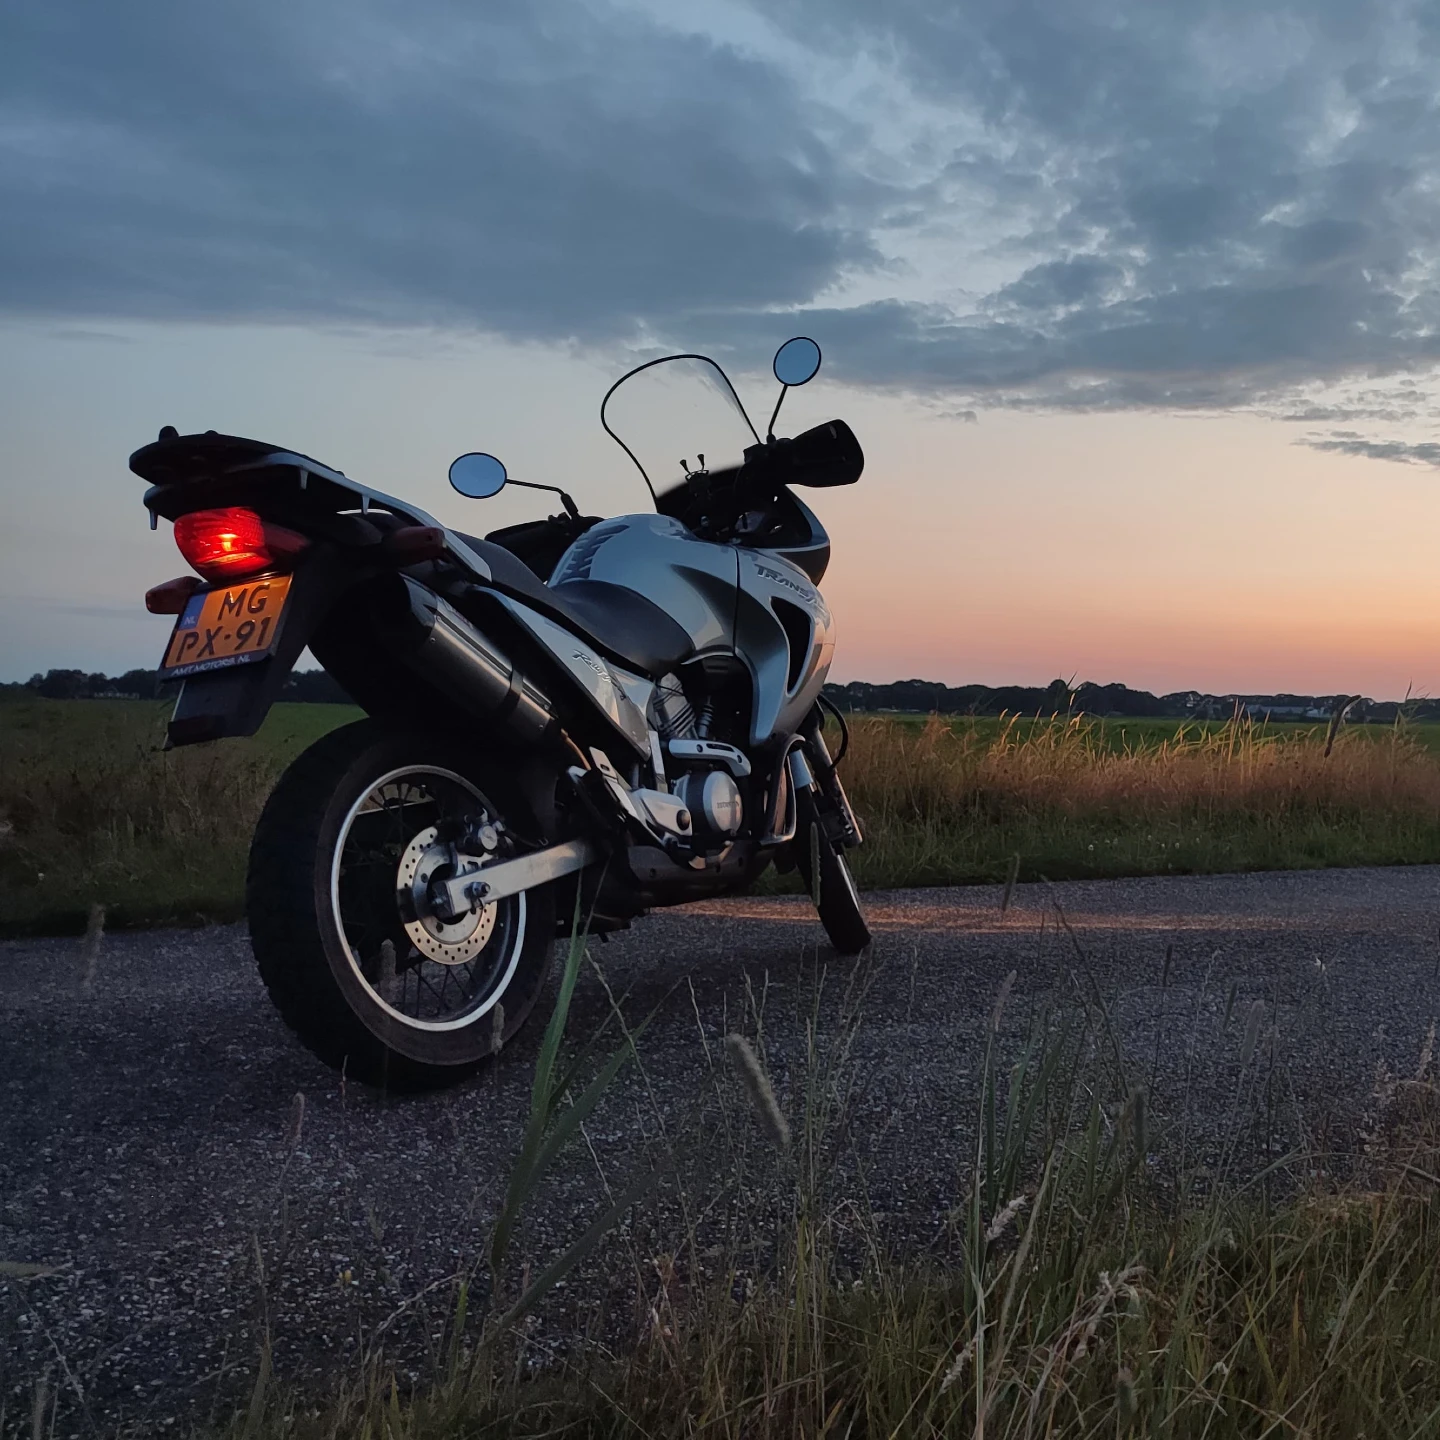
[219, 704]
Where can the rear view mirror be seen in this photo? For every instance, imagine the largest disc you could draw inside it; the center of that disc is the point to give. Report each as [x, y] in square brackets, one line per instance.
[478, 476]
[797, 361]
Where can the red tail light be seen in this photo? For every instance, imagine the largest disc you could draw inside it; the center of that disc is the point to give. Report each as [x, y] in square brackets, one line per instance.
[234, 544]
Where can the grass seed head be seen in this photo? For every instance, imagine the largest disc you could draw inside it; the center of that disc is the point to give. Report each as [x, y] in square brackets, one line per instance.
[757, 1087]
[955, 1371]
[1252, 1033]
[1121, 1286]
[1000, 999]
[1010, 883]
[1004, 1217]
[1125, 1401]
[1139, 1120]
[1427, 1052]
[94, 935]
[40, 1406]
[297, 1119]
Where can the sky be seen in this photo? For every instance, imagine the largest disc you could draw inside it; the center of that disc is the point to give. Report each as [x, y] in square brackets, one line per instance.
[1132, 305]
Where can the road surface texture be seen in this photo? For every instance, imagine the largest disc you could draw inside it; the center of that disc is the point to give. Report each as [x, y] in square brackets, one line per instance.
[155, 1159]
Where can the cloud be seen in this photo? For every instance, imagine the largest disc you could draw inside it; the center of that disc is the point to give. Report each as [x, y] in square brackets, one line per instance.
[1343, 442]
[1134, 203]
[536, 170]
[1222, 200]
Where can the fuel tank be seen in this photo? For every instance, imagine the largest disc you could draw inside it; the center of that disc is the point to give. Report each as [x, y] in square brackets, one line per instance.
[692, 580]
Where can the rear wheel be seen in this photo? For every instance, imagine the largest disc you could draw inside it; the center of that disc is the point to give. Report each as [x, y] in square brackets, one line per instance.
[358, 965]
[831, 885]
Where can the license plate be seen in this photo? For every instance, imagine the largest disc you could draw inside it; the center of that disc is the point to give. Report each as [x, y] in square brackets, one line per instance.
[226, 627]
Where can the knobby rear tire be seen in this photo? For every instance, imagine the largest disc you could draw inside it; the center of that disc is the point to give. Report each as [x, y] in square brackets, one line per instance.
[297, 939]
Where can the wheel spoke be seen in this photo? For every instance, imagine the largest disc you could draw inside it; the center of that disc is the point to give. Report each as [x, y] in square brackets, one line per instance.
[420, 976]
[469, 987]
[388, 843]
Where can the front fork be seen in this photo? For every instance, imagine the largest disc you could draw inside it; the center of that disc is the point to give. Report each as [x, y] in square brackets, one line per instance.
[836, 817]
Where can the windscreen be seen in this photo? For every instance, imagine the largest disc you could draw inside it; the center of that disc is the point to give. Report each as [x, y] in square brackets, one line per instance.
[670, 413]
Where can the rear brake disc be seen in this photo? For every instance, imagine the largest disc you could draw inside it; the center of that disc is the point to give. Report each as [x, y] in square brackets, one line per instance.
[449, 942]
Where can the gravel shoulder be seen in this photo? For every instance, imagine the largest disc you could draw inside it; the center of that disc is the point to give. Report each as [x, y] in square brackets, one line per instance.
[191, 1179]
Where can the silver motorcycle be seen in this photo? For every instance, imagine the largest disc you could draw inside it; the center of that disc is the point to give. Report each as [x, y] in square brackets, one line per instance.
[569, 721]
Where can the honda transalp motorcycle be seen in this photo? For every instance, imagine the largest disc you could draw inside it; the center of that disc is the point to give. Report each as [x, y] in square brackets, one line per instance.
[570, 715]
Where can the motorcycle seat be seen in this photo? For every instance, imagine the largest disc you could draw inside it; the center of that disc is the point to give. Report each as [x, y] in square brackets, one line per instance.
[618, 621]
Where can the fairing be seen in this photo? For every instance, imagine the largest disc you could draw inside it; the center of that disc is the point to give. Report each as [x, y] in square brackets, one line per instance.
[786, 638]
[729, 600]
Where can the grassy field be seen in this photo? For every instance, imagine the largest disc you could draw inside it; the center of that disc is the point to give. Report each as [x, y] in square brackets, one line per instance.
[952, 801]
[1131, 733]
[92, 810]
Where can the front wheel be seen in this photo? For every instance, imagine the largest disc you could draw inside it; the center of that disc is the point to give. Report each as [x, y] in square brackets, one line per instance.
[370, 982]
[831, 885]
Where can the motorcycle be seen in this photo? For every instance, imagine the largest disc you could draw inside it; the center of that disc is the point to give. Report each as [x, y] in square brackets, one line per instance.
[571, 717]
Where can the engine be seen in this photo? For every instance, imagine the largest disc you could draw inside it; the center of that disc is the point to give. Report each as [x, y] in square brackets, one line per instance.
[672, 713]
[713, 799]
[707, 775]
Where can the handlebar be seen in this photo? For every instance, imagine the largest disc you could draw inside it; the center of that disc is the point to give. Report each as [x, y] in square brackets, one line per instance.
[711, 502]
[821, 457]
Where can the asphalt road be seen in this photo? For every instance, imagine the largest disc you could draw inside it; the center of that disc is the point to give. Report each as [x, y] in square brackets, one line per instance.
[155, 1160]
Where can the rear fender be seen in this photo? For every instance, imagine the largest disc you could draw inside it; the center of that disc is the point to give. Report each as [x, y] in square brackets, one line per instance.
[223, 703]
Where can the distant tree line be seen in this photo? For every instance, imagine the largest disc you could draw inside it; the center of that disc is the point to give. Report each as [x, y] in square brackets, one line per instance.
[924, 697]
[915, 697]
[314, 686]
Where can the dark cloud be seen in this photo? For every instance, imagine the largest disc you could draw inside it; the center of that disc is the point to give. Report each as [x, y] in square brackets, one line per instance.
[1348, 442]
[526, 168]
[1208, 203]
[1223, 198]
[1061, 285]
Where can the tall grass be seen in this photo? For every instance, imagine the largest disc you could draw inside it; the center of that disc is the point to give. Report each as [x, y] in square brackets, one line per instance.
[953, 801]
[1066, 1296]
[94, 811]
